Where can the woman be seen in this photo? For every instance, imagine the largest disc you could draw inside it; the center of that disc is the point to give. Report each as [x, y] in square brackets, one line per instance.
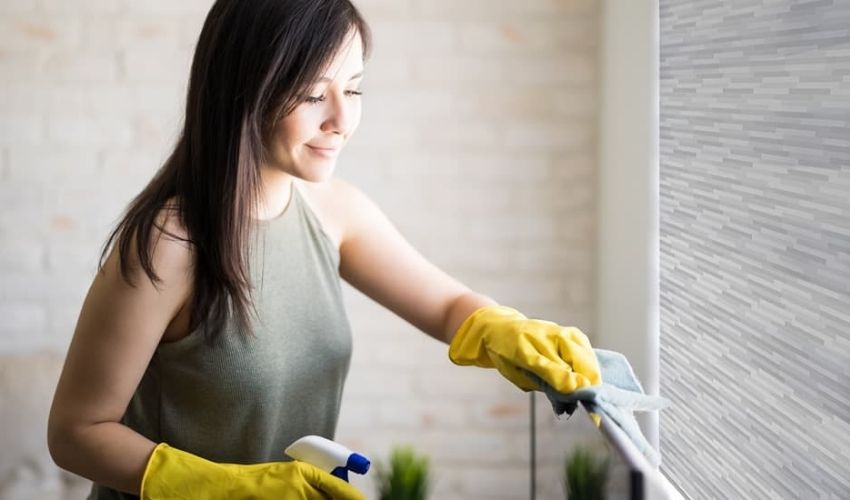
[214, 334]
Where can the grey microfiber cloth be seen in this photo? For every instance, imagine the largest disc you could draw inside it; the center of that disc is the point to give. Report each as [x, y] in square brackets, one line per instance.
[617, 398]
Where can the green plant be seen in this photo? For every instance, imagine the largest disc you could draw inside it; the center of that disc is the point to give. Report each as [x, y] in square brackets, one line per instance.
[585, 476]
[406, 478]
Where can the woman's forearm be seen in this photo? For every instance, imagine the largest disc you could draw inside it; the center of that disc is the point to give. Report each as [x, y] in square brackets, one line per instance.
[461, 309]
[108, 453]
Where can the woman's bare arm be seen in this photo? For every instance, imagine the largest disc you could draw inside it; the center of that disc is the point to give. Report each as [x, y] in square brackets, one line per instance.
[116, 334]
[376, 259]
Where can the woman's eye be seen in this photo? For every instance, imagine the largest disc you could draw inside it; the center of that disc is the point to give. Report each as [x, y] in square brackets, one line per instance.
[321, 98]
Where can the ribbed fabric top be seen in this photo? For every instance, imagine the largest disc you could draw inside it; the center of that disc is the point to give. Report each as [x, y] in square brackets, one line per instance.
[246, 399]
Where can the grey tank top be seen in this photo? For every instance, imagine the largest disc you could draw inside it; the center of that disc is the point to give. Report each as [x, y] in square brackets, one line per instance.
[246, 399]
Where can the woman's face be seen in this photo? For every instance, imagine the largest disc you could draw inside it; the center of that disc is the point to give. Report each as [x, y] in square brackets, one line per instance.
[306, 142]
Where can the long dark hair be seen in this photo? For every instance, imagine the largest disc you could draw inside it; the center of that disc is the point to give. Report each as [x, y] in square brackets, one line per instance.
[254, 61]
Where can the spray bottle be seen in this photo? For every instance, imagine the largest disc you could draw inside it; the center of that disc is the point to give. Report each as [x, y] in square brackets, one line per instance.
[328, 455]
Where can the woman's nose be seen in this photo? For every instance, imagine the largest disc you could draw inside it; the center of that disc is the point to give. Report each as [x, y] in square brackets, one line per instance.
[340, 115]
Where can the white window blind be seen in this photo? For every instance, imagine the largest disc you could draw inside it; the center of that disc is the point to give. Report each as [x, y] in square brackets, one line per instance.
[755, 247]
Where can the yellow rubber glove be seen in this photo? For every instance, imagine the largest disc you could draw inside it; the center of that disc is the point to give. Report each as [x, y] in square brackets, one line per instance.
[503, 338]
[177, 475]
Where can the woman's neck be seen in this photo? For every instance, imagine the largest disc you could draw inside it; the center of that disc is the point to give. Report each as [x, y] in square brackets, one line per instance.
[276, 191]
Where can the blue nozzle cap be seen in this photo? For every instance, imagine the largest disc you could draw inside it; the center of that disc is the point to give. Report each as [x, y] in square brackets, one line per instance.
[340, 472]
[357, 463]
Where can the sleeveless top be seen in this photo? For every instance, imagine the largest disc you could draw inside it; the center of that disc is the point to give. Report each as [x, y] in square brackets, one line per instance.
[246, 399]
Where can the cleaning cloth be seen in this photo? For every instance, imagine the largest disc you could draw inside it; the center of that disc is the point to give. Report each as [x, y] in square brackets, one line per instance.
[617, 397]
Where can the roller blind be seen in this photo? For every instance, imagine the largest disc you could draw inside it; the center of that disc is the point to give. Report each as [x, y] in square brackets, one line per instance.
[755, 247]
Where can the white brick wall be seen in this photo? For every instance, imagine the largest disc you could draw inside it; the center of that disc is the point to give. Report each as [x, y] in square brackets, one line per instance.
[477, 140]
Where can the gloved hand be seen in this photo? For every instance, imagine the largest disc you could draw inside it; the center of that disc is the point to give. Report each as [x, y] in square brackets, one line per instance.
[503, 338]
[175, 474]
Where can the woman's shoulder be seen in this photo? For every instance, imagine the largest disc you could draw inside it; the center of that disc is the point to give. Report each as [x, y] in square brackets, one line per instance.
[168, 245]
[169, 223]
[345, 208]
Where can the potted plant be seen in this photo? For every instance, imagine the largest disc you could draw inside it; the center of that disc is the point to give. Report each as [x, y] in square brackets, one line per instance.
[406, 477]
[585, 476]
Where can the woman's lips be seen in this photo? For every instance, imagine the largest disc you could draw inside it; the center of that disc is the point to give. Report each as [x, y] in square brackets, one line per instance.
[325, 152]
